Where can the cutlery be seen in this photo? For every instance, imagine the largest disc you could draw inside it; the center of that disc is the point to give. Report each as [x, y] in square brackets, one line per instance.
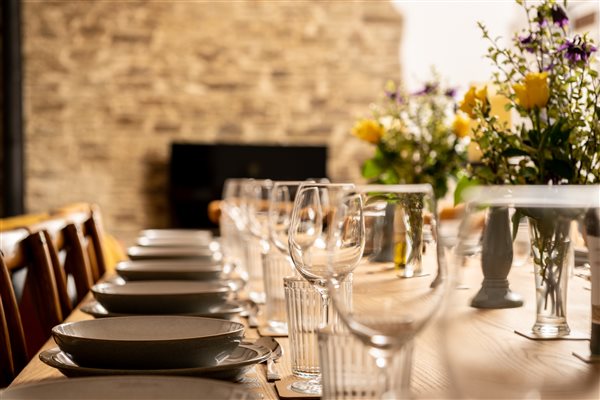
[276, 353]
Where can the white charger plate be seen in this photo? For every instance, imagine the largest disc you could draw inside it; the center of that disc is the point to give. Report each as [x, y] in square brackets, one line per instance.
[233, 368]
[128, 387]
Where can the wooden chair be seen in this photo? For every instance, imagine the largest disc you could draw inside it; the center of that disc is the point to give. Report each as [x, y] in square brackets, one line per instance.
[70, 260]
[13, 350]
[89, 217]
[32, 311]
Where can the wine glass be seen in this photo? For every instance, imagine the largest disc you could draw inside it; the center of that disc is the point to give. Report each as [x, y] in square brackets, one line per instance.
[256, 209]
[277, 263]
[326, 239]
[386, 312]
[232, 225]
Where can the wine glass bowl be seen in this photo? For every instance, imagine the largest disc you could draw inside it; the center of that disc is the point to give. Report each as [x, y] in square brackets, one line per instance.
[327, 232]
[387, 309]
[281, 205]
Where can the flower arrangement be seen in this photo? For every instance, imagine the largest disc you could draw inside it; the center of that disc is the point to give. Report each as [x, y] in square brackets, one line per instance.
[415, 138]
[548, 80]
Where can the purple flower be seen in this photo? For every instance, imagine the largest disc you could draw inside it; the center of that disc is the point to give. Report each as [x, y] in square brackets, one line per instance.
[559, 16]
[450, 92]
[548, 67]
[394, 96]
[428, 89]
[528, 42]
[577, 50]
[541, 19]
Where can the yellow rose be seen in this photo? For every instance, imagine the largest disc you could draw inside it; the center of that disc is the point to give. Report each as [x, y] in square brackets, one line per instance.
[474, 153]
[534, 91]
[368, 130]
[471, 98]
[461, 125]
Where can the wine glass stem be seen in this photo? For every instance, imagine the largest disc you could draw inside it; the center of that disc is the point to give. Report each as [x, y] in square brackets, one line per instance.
[324, 308]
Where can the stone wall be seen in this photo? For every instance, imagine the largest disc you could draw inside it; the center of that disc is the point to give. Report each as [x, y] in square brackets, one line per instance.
[109, 85]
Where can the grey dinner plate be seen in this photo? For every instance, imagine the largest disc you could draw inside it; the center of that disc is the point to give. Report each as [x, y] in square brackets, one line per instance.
[232, 368]
[227, 310]
[162, 297]
[148, 342]
[127, 387]
[172, 269]
[173, 252]
[176, 233]
[177, 242]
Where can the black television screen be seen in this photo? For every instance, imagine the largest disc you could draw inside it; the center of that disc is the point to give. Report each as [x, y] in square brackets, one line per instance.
[198, 171]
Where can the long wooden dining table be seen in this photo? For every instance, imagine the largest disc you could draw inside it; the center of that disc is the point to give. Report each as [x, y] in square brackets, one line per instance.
[564, 375]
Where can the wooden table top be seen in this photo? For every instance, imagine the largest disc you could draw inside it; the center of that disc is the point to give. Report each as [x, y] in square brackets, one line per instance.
[512, 355]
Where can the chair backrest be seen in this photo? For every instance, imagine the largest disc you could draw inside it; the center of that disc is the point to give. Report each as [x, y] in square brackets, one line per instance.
[89, 217]
[32, 312]
[69, 258]
[7, 368]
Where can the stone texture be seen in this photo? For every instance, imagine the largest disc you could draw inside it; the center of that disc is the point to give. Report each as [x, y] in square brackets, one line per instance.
[109, 85]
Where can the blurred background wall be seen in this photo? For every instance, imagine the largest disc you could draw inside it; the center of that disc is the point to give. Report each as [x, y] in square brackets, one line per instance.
[109, 84]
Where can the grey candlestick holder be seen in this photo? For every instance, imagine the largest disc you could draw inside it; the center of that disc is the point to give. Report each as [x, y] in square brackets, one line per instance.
[496, 261]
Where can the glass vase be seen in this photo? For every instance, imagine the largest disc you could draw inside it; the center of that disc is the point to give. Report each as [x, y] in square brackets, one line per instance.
[408, 240]
[551, 251]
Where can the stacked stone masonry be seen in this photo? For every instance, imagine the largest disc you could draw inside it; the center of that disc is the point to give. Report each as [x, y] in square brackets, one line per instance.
[110, 84]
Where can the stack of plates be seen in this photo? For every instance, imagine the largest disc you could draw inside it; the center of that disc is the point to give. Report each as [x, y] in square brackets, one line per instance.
[153, 345]
[175, 244]
[172, 271]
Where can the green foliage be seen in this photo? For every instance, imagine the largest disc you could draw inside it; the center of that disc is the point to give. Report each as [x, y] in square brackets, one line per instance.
[418, 144]
[558, 142]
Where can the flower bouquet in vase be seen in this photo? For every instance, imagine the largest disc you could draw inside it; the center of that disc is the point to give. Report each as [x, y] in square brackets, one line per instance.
[416, 141]
[550, 83]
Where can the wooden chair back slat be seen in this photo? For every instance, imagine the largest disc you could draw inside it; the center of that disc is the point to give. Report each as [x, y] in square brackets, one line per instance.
[12, 316]
[89, 217]
[7, 368]
[39, 305]
[77, 262]
[95, 233]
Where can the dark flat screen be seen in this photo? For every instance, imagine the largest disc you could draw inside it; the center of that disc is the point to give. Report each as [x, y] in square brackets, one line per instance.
[198, 172]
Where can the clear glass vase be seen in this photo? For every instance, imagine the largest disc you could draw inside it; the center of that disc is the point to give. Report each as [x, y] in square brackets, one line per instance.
[551, 250]
[408, 241]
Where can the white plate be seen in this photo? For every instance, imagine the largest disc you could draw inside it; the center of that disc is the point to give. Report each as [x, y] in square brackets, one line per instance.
[178, 242]
[145, 342]
[174, 253]
[227, 310]
[161, 297]
[128, 387]
[172, 269]
[176, 233]
[233, 368]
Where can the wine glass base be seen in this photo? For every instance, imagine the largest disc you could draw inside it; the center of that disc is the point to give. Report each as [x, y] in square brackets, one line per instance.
[312, 387]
